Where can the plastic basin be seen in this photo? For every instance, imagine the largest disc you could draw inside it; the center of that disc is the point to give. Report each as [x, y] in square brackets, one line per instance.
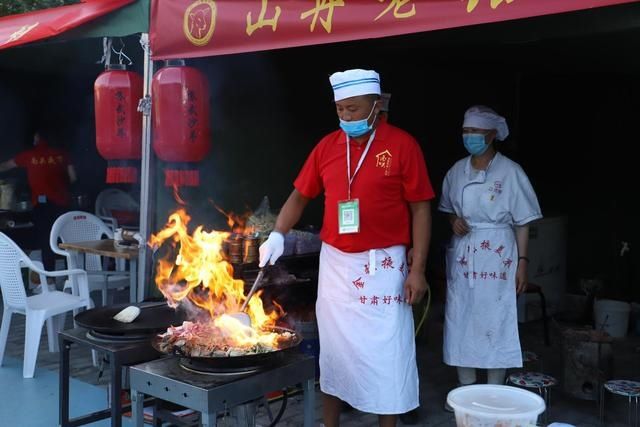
[488, 405]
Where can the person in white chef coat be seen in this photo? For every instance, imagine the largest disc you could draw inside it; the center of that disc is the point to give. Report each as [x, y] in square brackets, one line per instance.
[490, 202]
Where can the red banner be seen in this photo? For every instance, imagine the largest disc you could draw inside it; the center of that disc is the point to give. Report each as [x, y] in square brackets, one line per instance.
[193, 28]
[41, 24]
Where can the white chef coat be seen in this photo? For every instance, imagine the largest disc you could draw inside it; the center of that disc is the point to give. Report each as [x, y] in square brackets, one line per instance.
[481, 328]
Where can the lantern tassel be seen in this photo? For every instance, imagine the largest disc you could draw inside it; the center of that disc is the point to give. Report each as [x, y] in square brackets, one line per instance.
[122, 175]
[181, 178]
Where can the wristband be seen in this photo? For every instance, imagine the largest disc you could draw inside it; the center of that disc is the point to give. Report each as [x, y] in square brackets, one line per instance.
[524, 258]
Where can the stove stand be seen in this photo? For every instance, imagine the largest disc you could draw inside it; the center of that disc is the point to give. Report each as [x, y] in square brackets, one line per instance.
[120, 353]
[209, 394]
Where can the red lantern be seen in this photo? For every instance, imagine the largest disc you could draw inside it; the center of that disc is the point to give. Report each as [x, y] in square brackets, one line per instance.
[118, 123]
[181, 132]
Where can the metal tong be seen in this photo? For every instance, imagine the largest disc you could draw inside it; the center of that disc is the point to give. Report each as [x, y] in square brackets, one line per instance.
[253, 290]
[241, 315]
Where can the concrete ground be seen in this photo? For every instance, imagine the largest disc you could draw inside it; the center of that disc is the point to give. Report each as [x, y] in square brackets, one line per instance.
[436, 379]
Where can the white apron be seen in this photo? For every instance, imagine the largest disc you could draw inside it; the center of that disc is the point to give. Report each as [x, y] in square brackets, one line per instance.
[481, 326]
[367, 348]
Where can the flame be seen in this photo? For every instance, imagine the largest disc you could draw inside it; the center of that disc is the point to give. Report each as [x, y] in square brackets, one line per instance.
[195, 273]
[238, 223]
[176, 195]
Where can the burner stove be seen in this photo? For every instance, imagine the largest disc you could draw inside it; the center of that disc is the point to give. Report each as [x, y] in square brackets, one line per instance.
[199, 367]
[122, 350]
[174, 380]
[118, 338]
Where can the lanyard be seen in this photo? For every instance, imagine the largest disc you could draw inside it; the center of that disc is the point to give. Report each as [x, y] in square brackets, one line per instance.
[364, 154]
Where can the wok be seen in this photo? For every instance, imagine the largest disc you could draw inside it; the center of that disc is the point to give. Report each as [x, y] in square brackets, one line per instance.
[233, 363]
[154, 317]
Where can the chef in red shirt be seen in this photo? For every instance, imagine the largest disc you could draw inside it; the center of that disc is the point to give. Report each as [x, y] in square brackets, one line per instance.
[377, 204]
[49, 174]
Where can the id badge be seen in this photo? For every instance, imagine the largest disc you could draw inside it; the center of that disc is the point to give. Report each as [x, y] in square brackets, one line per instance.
[349, 216]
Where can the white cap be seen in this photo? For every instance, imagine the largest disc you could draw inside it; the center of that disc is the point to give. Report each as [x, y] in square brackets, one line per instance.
[355, 82]
[482, 117]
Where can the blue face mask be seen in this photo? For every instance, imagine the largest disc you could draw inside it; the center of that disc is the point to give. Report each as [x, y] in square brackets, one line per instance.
[474, 143]
[356, 128]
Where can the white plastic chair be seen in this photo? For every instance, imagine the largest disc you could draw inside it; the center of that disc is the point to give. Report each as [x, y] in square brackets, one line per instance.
[78, 226]
[37, 308]
[112, 199]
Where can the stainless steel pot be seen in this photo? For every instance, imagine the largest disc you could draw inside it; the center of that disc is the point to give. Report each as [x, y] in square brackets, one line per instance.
[7, 195]
[23, 206]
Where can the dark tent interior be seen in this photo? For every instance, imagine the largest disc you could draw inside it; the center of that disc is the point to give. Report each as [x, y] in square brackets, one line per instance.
[567, 85]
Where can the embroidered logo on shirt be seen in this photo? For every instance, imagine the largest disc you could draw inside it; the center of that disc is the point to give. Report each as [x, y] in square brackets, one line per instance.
[383, 160]
[495, 190]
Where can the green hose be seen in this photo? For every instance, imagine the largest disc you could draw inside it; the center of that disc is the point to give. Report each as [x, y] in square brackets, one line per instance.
[426, 311]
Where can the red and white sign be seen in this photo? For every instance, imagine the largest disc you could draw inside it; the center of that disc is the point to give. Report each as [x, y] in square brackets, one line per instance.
[196, 28]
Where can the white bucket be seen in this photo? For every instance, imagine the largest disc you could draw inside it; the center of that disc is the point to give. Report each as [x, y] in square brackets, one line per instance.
[488, 405]
[612, 317]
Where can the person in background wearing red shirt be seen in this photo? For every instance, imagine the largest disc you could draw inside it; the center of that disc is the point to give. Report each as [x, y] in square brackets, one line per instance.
[49, 175]
[377, 204]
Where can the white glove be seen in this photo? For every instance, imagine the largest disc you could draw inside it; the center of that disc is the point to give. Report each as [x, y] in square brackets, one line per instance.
[271, 249]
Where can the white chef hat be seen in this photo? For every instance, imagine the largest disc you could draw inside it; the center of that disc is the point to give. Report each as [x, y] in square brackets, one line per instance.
[482, 117]
[355, 82]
